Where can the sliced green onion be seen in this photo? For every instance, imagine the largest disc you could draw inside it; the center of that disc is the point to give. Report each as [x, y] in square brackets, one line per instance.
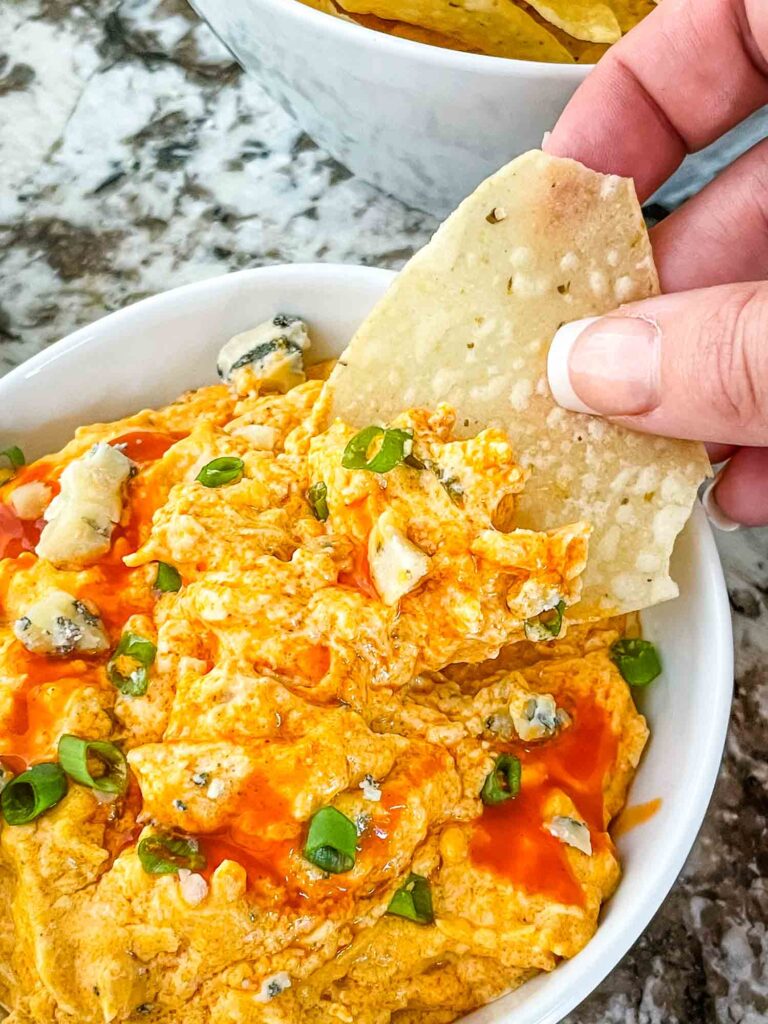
[74, 754]
[317, 496]
[168, 579]
[225, 470]
[32, 793]
[356, 453]
[503, 781]
[413, 900]
[15, 458]
[396, 446]
[547, 625]
[636, 659]
[140, 651]
[331, 841]
[165, 852]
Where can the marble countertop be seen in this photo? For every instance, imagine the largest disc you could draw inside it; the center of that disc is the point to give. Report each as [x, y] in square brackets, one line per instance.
[134, 156]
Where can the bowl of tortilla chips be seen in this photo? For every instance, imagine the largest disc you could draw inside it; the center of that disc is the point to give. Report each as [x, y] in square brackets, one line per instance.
[423, 98]
[323, 684]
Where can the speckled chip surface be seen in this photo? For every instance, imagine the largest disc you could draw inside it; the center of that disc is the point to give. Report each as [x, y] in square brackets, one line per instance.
[469, 321]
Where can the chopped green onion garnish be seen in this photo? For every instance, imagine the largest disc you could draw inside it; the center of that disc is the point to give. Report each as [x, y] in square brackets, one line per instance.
[356, 453]
[503, 781]
[637, 660]
[75, 753]
[396, 446]
[136, 654]
[547, 625]
[164, 853]
[413, 900]
[317, 496]
[225, 470]
[331, 841]
[32, 793]
[14, 456]
[168, 579]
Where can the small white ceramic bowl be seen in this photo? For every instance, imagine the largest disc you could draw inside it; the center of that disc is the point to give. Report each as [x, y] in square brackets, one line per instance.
[150, 352]
[423, 123]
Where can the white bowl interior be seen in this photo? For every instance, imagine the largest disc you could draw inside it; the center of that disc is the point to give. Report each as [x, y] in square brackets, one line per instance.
[148, 353]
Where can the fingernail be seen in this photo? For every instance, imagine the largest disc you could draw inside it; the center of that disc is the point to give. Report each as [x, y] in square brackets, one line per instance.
[715, 514]
[606, 366]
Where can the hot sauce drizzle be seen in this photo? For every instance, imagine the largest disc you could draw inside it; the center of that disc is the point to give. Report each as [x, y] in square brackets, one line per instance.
[510, 839]
[46, 685]
[144, 445]
[31, 730]
[260, 837]
[631, 817]
[359, 576]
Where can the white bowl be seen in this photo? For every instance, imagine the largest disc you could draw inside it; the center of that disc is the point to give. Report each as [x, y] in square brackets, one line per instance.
[150, 352]
[423, 123]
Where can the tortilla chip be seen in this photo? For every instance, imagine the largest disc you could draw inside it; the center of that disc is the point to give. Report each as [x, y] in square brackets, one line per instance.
[584, 19]
[413, 32]
[489, 26]
[469, 322]
[592, 53]
[327, 7]
[581, 51]
[392, 28]
[630, 12]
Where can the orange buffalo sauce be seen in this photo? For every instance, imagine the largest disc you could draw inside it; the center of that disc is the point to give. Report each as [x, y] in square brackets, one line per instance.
[313, 662]
[631, 817]
[264, 837]
[144, 445]
[510, 839]
[145, 496]
[42, 470]
[112, 591]
[260, 858]
[31, 732]
[260, 837]
[359, 576]
[46, 685]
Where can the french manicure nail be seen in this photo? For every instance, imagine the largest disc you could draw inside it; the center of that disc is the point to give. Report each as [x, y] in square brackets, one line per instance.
[608, 366]
[715, 514]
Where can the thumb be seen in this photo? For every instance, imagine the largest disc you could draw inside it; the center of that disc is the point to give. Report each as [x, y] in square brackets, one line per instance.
[691, 365]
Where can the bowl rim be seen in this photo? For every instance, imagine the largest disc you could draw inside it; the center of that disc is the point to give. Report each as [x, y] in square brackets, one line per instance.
[590, 967]
[437, 56]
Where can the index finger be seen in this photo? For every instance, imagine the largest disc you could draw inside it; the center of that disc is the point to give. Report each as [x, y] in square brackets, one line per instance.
[685, 75]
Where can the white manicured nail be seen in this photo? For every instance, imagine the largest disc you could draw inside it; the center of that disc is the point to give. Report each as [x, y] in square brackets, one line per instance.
[715, 514]
[557, 365]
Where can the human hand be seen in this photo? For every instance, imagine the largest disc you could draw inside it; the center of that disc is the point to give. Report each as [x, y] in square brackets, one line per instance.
[694, 363]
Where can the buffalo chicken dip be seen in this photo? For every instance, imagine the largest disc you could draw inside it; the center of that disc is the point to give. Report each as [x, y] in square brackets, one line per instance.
[262, 759]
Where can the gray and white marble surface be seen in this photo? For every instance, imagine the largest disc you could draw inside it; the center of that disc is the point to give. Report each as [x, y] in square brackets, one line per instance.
[134, 157]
